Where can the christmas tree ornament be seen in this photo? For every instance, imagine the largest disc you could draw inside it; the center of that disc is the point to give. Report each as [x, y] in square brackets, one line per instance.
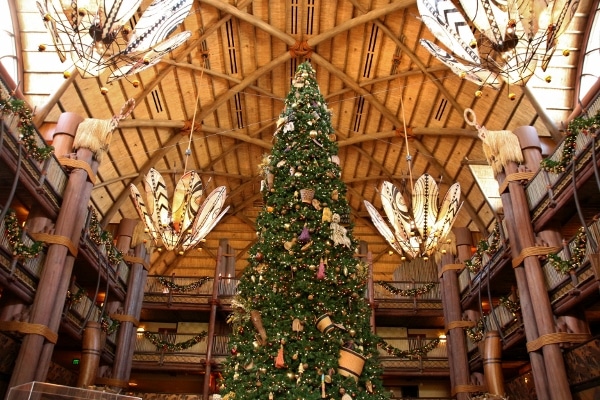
[306, 246]
[256, 319]
[326, 215]
[338, 232]
[304, 235]
[321, 271]
[307, 195]
[316, 204]
[324, 323]
[279, 360]
[335, 195]
[297, 325]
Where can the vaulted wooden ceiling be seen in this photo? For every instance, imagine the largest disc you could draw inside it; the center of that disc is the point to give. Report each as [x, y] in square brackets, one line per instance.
[378, 81]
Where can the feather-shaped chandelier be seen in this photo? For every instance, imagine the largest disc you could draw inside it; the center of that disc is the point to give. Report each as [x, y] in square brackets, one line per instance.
[420, 227]
[96, 34]
[186, 223]
[502, 39]
[420, 232]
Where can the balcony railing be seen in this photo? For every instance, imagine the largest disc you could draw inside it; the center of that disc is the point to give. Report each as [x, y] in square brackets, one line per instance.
[26, 271]
[147, 351]
[50, 176]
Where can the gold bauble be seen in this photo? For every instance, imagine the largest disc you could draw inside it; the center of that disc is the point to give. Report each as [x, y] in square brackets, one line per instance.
[566, 52]
[512, 96]
[135, 83]
[548, 79]
[67, 74]
[104, 90]
[42, 47]
[352, 332]
[478, 93]
[310, 297]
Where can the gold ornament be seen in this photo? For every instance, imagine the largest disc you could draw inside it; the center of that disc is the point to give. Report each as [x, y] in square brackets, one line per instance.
[104, 90]
[566, 52]
[67, 74]
[512, 96]
[135, 83]
[478, 93]
[42, 47]
[548, 79]
[352, 332]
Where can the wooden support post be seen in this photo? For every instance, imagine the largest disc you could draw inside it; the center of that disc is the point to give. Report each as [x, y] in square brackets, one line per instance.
[538, 369]
[132, 307]
[54, 282]
[456, 344]
[214, 302]
[557, 383]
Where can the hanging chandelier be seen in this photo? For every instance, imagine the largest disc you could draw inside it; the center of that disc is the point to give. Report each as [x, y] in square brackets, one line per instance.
[502, 40]
[186, 223]
[420, 232]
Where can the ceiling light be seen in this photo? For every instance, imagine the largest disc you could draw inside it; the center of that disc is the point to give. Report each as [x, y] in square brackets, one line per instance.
[507, 39]
[185, 224]
[419, 229]
[417, 232]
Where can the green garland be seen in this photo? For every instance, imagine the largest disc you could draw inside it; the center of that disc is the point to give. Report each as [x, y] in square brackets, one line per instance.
[183, 288]
[414, 353]
[74, 298]
[102, 237]
[575, 127]
[27, 132]
[475, 334]
[577, 255]
[163, 345]
[14, 234]
[407, 292]
[474, 264]
[109, 325]
[512, 306]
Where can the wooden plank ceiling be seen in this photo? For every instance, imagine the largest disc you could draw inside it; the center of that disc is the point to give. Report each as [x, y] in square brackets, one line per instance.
[375, 76]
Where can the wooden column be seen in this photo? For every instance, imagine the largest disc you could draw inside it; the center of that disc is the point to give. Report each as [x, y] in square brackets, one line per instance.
[64, 133]
[132, 309]
[214, 302]
[558, 385]
[456, 341]
[55, 277]
[538, 369]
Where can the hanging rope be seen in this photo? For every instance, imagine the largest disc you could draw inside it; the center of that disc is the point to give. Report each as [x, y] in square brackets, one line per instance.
[408, 156]
[188, 151]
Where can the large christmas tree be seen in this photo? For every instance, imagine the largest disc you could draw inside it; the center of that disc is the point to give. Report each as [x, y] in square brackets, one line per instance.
[301, 324]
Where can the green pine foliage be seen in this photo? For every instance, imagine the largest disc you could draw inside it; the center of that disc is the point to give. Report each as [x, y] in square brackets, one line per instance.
[303, 266]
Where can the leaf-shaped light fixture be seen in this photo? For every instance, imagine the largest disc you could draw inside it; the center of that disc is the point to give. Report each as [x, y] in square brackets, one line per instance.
[496, 39]
[96, 37]
[186, 223]
[416, 231]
